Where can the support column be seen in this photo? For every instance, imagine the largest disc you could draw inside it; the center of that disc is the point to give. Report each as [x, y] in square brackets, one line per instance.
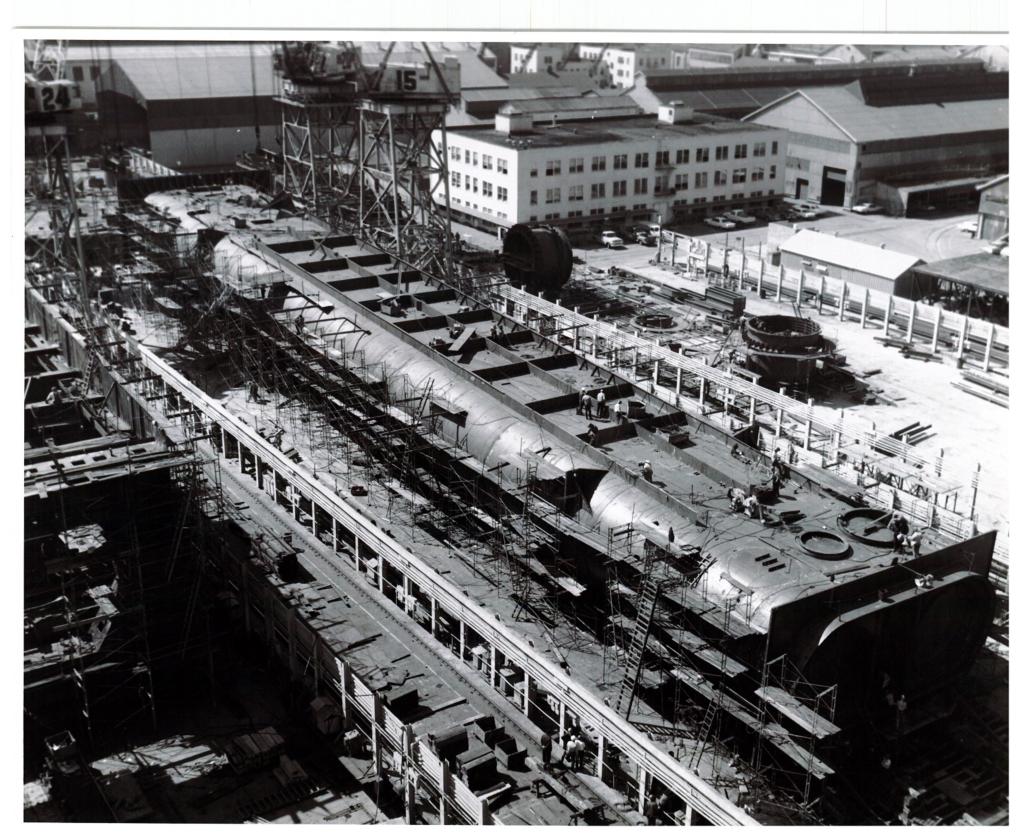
[526, 701]
[807, 426]
[761, 275]
[492, 666]
[701, 393]
[888, 315]
[988, 347]
[935, 329]
[910, 320]
[821, 291]
[409, 784]
[679, 382]
[600, 757]
[842, 298]
[642, 789]
[963, 337]
[655, 373]
[462, 640]
[432, 621]
[445, 792]
[378, 719]
[563, 710]
[779, 417]
[864, 309]
[800, 284]
[688, 814]
[779, 284]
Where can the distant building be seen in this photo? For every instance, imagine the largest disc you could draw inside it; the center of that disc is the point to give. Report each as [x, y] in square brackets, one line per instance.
[993, 208]
[480, 106]
[898, 147]
[618, 65]
[595, 173]
[536, 58]
[192, 110]
[742, 89]
[715, 55]
[839, 258]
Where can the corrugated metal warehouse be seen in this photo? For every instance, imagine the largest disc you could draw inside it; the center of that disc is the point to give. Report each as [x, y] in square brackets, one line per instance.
[194, 108]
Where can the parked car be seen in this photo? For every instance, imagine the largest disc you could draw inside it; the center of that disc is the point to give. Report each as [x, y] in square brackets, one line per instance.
[721, 222]
[646, 238]
[802, 213]
[969, 227]
[866, 208]
[997, 247]
[738, 216]
[611, 239]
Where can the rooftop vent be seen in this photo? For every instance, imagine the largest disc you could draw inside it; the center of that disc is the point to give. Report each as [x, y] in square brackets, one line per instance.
[675, 113]
[511, 122]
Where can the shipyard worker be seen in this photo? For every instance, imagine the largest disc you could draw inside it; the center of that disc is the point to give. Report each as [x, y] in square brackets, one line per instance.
[601, 398]
[586, 402]
[253, 390]
[299, 323]
[592, 434]
[621, 416]
[671, 536]
[652, 811]
[55, 396]
[752, 507]
[915, 542]
[277, 438]
[580, 401]
[646, 470]
[546, 750]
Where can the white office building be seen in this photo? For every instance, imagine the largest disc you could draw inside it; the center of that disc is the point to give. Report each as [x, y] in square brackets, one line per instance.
[591, 174]
[619, 65]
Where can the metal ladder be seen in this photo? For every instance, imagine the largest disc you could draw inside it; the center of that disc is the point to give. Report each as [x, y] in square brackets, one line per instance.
[647, 600]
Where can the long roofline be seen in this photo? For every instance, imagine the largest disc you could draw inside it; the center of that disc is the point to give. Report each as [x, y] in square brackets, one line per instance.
[790, 95]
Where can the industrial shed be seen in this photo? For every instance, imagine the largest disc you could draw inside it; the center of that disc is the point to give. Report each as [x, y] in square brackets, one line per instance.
[195, 108]
[911, 147]
[852, 261]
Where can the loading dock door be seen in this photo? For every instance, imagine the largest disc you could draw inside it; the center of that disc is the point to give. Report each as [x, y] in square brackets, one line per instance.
[802, 187]
[833, 186]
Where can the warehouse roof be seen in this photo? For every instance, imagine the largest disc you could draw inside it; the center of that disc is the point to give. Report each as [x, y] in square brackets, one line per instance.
[615, 129]
[983, 271]
[474, 72]
[844, 252]
[563, 105]
[861, 122]
[198, 73]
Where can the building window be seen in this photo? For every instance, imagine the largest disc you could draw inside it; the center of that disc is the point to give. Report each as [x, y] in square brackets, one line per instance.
[641, 160]
[598, 190]
[487, 161]
[775, 146]
[455, 153]
[740, 151]
[552, 216]
[575, 213]
[737, 195]
[474, 184]
[683, 156]
[722, 152]
[619, 188]
[78, 73]
[598, 163]
[640, 206]
[552, 168]
[619, 161]
[759, 149]
[533, 218]
[534, 198]
[662, 184]
[552, 195]
[576, 193]
[661, 158]
[486, 189]
[772, 172]
[599, 211]
[501, 193]
[455, 179]
[576, 165]
[641, 186]
[474, 158]
[701, 155]
[720, 178]
[501, 165]
[739, 176]
[701, 180]
[758, 174]
[534, 172]
[681, 181]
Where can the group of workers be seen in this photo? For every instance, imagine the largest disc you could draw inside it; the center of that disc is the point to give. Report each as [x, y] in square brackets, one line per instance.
[903, 536]
[597, 406]
[741, 501]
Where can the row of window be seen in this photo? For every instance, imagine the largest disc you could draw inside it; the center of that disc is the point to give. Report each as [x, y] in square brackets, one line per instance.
[485, 209]
[471, 184]
[638, 207]
[471, 157]
[661, 185]
[575, 165]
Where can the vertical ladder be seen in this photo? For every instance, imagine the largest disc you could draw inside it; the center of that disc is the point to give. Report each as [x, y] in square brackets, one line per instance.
[704, 730]
[636, 649]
